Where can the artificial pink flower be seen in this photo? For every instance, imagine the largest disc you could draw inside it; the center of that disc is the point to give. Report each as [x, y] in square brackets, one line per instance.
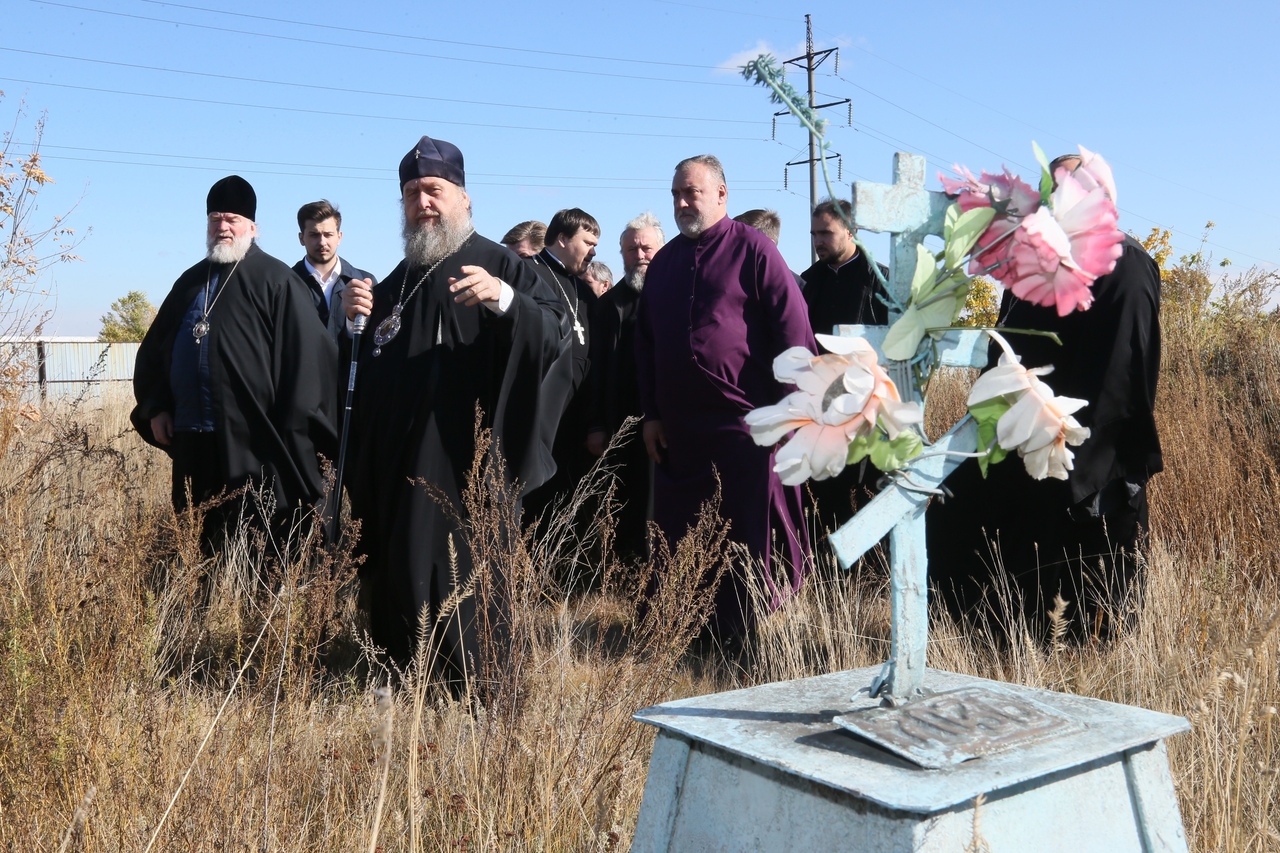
[839, 395]
[1007, 193]
[993, 251]
[1057, 253]
[1095, 172]
[1012, 197]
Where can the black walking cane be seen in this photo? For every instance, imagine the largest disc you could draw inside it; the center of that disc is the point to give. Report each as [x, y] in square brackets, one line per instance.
[335, 496]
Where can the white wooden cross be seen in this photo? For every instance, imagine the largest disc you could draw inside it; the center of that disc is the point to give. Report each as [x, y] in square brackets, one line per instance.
[910, 213]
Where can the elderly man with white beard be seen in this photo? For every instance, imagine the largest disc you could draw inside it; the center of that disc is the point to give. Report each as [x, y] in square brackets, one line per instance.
[461, 324]
[235, 379]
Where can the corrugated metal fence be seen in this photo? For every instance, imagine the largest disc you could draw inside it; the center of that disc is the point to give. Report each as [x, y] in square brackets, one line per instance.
[68, 368]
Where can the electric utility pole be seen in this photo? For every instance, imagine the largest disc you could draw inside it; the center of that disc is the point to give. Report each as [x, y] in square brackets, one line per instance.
[810, 61]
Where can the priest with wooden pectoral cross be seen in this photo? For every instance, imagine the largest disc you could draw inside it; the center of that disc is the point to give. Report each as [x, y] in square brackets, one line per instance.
[571, 240]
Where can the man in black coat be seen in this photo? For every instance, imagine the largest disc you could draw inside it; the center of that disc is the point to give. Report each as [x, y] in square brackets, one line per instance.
[615, 394]
[840, 287]
[219, 380]
[571, 240]
[1029, 541]
[460, 324]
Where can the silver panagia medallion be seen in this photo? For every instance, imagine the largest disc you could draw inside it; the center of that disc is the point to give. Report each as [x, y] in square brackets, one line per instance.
[200, 329]
[386, 330]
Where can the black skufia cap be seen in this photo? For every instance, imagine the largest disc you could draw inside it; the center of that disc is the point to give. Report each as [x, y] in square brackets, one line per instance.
[233, 194]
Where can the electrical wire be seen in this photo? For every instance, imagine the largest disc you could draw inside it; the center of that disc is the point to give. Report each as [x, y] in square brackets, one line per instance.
[411, 37]
[328, 45]
[414, 119]
[330, 88]
[376, 171]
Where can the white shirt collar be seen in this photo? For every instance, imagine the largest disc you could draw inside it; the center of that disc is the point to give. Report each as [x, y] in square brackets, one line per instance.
[326, 283]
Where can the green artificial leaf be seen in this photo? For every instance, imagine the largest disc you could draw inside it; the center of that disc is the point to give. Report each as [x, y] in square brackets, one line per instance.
[1046, 177]
[987, 438]
[860, 448]
[1046, 187]
[904, 337]
[926, 271]
[891, 455]
[949, 220]
[1041, 158]
[937, 317]
[964, 234]
[990, 411]
[962, 294]
[987, 414]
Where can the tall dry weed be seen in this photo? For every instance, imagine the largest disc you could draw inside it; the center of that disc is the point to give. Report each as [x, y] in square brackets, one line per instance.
[119, 644]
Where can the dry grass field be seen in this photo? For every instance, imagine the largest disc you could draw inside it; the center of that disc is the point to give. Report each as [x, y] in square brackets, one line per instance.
[151, 701]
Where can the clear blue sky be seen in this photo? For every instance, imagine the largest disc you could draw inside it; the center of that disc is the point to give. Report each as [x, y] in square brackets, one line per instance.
[591, 104]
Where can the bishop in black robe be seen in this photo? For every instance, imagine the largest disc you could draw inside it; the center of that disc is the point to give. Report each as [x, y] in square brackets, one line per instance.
[1010, 535]
[413, 422]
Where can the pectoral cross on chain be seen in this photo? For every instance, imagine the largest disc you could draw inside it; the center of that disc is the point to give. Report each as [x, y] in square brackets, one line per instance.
[910, 213]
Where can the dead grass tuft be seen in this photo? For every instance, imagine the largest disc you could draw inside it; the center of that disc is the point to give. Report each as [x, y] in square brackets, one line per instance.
[128, 662]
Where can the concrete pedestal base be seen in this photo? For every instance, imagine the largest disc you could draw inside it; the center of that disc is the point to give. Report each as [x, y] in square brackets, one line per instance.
[766, 769]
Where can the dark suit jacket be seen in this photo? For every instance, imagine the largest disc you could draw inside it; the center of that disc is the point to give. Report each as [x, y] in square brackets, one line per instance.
[348, 272]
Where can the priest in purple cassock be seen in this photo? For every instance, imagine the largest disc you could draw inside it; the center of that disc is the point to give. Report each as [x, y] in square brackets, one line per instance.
[719, 304]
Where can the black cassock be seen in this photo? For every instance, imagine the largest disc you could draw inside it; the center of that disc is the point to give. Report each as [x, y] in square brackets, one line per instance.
[1075, 537]
[413, 418]
[273, 373]
[570, 448]
[615, 396]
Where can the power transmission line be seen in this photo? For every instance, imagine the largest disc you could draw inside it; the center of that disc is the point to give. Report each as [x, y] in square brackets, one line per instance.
[413, 119]
[329, 88]
[411, 37]
[328, 45]
[375, 170]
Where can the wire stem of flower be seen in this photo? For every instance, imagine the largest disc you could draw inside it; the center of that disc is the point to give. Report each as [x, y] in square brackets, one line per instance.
[978, 454]
[949, 272]
[945, 292]
[906, 483]
[1040, 333]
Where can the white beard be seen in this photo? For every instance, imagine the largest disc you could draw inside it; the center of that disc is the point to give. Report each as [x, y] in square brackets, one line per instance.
[425, 244]
[635, 278]
[229, 253]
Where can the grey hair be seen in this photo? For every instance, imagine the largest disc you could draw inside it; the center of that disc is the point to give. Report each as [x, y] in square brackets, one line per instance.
[600, 271]
[710, 161]
[642, 222]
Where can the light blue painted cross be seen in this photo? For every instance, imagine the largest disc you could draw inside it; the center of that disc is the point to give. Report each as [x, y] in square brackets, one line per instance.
[910, 213]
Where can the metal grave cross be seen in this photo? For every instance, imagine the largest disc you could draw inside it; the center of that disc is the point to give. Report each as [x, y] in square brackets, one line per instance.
[910, 213]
